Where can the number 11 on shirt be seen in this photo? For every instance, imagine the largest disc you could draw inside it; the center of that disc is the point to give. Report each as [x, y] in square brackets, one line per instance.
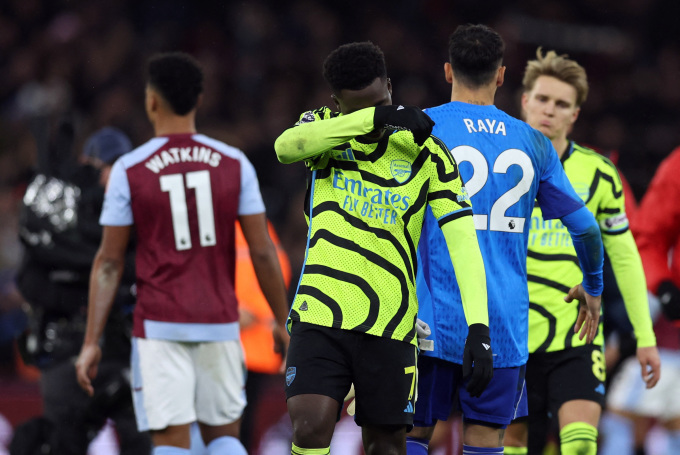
[199, 181]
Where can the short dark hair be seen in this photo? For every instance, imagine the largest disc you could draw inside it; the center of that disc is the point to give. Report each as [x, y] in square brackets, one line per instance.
[354, 66]
[178, 78]
[475, 53]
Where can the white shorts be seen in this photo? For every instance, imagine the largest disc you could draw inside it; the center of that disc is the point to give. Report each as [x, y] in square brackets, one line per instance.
[178, 382]
[627, 391]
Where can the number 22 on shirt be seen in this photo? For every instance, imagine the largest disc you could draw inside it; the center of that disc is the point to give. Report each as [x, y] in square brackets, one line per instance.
[496, 220]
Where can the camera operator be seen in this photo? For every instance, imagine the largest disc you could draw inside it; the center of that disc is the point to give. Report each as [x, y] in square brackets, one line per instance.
[61, 233]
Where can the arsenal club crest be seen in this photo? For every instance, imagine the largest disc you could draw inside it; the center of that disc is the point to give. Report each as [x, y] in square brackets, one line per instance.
[401, 170]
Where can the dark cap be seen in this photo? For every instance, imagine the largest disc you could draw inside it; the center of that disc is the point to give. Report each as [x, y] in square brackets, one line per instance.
[107, 144]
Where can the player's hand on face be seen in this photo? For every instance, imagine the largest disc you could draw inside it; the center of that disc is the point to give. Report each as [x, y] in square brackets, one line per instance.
[86, 366]
[477, 359]
[404, 118]
[281, 342]
[650, 365]
[588, 319]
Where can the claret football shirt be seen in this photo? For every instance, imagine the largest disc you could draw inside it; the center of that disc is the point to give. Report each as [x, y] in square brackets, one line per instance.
[183, 194]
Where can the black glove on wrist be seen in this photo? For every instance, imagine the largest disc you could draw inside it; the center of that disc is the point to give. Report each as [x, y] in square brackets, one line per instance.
[669, 297]
[477, 359]
[404, 118]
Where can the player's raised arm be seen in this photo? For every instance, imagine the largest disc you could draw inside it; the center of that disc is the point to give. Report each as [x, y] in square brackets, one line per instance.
[314, 134]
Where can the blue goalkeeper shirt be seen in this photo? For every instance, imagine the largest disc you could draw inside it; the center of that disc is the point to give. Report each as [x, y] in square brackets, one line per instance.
[506, 166]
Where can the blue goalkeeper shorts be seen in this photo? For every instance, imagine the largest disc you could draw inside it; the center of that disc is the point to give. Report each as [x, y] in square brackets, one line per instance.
[441, 390]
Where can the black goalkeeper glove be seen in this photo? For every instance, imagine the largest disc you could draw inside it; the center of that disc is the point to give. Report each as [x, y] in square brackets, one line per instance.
[669, 297]
[477, 359]
[404, 118]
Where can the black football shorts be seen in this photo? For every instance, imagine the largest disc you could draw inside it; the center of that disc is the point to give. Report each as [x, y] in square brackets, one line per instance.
[553, 378]
[326, 361]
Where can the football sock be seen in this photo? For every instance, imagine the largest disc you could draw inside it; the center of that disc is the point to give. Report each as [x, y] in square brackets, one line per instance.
[416, 446]
[170, 450]
[617, 435]
[300, 451]
[673, 442]
[471, 450]
[197, 446]
[516, 450]
[578, 438]
[226, 445]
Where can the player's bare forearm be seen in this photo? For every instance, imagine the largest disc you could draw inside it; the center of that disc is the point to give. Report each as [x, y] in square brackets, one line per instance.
[265, 263]
[104, 281]
[105, 277]
[269, 276]
[268, 271]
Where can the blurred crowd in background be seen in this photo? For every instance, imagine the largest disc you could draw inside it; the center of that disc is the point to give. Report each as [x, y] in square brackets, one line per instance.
[262, 61]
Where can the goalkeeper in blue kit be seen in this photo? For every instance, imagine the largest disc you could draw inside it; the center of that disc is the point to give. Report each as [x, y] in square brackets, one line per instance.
[506, 166]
